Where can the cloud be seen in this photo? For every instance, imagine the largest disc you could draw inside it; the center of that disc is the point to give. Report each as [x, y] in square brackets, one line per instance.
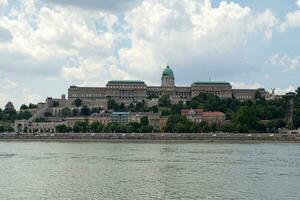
[192, 35]
[5, 35]
[4, 98]
[104, 5]
[29, 97]
[292, 20]
[3, 4]
[46, 39]
[285, 61]
[6, 84]
[281, 91]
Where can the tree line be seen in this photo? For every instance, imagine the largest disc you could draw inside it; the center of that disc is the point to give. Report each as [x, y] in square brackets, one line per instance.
[97, 127]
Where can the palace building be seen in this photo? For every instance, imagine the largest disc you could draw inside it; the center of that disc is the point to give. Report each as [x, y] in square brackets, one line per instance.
[129, 90]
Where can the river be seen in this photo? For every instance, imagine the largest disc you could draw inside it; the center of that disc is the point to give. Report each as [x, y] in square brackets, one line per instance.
[52, 170]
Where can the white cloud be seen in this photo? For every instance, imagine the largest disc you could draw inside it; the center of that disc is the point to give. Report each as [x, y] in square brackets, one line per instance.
[188, 33]
[242, 85]
[281, 91]
[7, 84]
[4, 98]
[45, 39]
[285, 61]
[292, 20]
[30, 97]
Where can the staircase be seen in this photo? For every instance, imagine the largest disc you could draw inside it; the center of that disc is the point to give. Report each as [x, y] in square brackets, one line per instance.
[39, 113]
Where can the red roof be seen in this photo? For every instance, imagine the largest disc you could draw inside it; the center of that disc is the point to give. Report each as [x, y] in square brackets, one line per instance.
[191, 111]
[213, 114]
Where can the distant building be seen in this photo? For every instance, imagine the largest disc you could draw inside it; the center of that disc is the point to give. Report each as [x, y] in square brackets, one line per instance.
[120, 117]
[217, 118]
[194, 115]
[130, 90]
[163, 123]
[197, 116]
[154, 118]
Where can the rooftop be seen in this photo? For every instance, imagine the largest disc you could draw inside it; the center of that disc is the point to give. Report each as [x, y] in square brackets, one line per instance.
[126, 82]
[211, 83]
[168, 72]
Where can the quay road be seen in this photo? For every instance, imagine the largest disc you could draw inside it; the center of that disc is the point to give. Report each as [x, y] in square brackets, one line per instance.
[209, 137]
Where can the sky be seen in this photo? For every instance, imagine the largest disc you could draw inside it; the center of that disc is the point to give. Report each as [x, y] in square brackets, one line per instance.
[48, 45]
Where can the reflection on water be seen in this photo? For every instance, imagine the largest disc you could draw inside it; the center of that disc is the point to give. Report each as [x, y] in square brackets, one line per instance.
[149, 171]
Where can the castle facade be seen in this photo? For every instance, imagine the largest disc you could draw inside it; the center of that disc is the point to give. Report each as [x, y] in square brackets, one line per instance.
[128, 91]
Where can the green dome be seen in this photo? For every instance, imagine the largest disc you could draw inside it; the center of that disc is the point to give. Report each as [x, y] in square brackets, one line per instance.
[168, 72]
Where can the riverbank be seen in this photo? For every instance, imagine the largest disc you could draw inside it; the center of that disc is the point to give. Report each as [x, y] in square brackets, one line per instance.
[148, 137]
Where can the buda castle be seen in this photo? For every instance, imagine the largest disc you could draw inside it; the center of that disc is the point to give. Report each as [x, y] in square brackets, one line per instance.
[133, 91]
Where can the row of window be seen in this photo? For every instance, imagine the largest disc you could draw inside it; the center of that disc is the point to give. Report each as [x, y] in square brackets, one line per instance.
[127, 87]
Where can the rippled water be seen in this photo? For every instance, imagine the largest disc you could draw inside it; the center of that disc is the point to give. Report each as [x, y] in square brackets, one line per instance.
[149, 171]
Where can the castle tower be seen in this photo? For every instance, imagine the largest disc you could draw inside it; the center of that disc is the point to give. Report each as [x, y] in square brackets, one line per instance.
[168, 82]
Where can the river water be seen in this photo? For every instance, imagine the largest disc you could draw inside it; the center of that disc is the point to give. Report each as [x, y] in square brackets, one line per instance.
[38, 170]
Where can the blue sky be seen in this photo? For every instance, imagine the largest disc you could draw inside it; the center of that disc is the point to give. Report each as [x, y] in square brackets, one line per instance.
[48, 45]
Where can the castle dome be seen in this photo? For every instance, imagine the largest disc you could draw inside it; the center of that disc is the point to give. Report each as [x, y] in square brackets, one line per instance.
[168, 72]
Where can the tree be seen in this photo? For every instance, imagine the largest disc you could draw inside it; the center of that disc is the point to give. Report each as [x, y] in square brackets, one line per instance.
[176, 123]
[32, 106]
[96, 127]
[147, 129]
[78, 102]
[245, 119]
[81, 127]
[95, 110]
[63, 128]
[24, 115]
[213, 127]
[133, 127]
[164, 101]
[75, 112]
[144, 121]
[66, 112]
[23, 107]
[85, 111]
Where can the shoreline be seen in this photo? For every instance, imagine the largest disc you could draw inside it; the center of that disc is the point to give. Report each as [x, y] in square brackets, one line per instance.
[156, 138]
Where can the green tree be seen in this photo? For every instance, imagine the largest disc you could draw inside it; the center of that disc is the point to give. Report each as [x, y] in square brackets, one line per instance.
[213, 127]
[66, 112]
[24, 115]
[147, 129]
[164, 101]
[23, 107]
[144, 121]
[245, 119]
[95, 110]
[177, 122]
[32, 106]
[133, 127]
[81, 127]
[75, 112]
[78, 102]
[96, 127]
[63, 128]
[85, 111]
